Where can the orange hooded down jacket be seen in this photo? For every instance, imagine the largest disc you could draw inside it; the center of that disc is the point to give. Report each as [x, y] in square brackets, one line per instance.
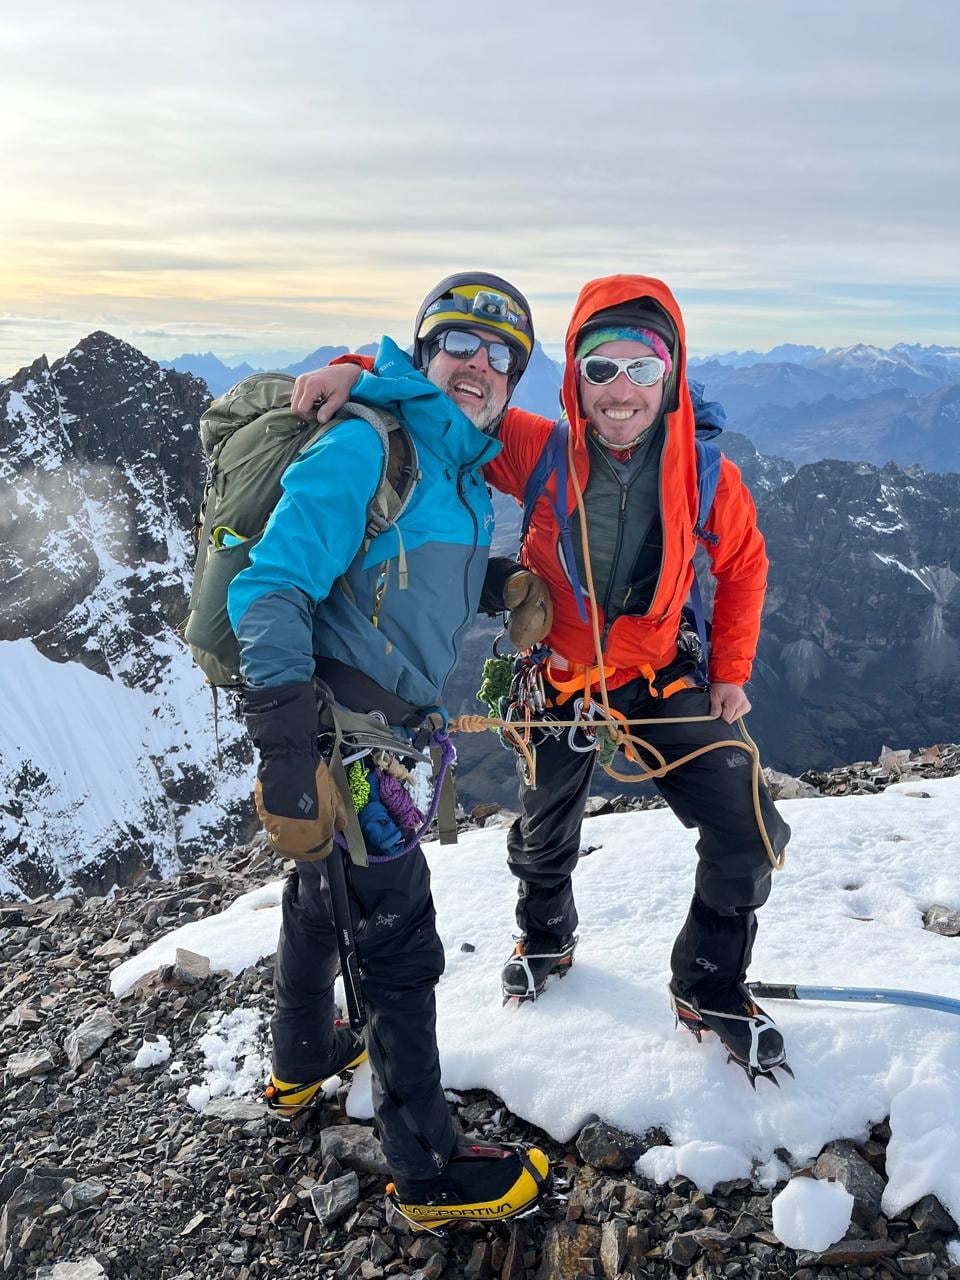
[738, 560]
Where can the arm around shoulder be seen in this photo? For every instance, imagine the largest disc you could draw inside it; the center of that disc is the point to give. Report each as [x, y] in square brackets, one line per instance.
[522, 436]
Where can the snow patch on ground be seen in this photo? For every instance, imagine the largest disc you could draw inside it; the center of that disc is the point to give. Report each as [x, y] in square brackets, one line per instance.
[152, 1052]
[705, 1163]
[232, 940]
[234, 1062]
[810, 1214]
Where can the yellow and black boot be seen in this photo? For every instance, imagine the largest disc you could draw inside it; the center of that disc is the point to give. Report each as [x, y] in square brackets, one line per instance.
[287, 1099]
[478, 1184]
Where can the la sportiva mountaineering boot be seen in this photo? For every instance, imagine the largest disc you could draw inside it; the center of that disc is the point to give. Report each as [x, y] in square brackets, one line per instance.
[288, 1099]
[479, 1184]
[534, 959]
[750, 1036]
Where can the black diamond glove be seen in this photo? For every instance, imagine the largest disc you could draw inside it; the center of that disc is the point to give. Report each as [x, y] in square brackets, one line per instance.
[297, 800]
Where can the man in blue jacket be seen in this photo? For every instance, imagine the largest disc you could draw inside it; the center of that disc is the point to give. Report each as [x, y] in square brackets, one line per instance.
[314, 604]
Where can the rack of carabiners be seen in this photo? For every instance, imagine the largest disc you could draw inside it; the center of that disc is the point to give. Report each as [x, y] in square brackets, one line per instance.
[527, 711]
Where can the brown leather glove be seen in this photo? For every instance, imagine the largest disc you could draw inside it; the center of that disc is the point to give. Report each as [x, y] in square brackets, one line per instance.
[307, 839]
[527, 597]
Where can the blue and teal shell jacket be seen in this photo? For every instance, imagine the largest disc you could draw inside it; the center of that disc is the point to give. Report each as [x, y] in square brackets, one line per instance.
[290, 603]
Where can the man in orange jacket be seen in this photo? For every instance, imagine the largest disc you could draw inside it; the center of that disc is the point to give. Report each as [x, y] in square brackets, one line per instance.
[619, 582]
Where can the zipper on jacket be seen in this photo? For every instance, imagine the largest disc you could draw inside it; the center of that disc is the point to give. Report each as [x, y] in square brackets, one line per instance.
[663, 530]
[621, 521]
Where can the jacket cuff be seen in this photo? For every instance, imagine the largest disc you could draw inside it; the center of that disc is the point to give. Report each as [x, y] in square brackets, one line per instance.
[500, 569]
[283, 720]
[365, 362]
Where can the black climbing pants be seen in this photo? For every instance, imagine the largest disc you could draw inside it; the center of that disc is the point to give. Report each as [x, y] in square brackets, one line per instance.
[712, 793]
[401, 959]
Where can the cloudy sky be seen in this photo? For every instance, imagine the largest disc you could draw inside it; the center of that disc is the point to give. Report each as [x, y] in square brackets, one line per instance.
[251, 178]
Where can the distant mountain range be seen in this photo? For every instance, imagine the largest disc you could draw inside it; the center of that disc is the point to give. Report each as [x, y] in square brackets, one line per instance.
[112, 765]
[800, 402]
[539, 386]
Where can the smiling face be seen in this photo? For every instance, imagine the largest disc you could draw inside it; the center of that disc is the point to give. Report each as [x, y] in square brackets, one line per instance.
[619, 411]
[471, 384]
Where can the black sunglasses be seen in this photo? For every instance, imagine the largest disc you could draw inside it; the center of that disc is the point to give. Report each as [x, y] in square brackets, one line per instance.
[462, 345]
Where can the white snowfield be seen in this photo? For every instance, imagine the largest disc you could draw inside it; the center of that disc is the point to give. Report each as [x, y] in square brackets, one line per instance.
[88, 746]
[847, 910]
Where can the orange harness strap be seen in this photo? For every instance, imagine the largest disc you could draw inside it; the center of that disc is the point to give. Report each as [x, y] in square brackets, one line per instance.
[583, 679]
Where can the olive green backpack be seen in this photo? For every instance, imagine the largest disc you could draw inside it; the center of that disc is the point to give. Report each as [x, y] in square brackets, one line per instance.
[250, 436]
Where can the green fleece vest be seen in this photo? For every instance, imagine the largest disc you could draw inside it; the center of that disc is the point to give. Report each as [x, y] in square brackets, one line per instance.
[624, 527]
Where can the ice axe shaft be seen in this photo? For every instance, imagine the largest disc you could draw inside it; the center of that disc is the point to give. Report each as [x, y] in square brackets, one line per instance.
[854, 995]
[346, 940]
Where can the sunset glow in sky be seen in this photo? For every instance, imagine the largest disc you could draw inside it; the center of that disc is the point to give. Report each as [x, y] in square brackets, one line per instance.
[246, 178]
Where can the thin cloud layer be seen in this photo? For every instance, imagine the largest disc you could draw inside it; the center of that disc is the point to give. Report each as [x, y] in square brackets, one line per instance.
[318, 169]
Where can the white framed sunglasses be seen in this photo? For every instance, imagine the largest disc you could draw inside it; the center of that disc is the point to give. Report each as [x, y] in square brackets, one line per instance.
[643, 371]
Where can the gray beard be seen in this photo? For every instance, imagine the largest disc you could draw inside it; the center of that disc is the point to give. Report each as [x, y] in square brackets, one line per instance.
[487, 414]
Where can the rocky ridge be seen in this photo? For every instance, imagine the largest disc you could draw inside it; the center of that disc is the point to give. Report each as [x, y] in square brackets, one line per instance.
[106, 1171]
[100, 481]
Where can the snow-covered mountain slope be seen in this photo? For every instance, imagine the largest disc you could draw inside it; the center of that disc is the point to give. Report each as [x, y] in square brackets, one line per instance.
[100, 478]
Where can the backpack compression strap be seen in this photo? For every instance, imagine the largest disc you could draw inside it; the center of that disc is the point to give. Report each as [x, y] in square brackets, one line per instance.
[708, 477]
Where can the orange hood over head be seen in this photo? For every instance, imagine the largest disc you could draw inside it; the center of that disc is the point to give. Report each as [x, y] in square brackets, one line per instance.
[616, 291]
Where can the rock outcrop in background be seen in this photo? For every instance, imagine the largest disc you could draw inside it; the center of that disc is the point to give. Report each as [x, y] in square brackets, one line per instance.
[107, 756]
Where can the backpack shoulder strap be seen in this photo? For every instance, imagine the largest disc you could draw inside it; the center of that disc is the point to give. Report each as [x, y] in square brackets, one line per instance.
[709, 458]
[553, 461]
[554, 450]
[401, 467]
[708, 477]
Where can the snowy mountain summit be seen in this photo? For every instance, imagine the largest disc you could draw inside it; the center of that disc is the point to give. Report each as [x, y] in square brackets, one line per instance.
[106, 752]
[138, 1047]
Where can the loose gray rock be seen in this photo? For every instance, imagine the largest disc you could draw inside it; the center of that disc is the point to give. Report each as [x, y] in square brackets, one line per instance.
[634, 1201]
[929, 1214]
[605, 1147]
[354, 1146]
[332, 1201]
[613, 1246]
[850, 1169]
[849, 1253]
[784, 787]
[113, 949]
[30, 1063]
[190, 969]
[431, 1270]
[30, 1199]
[10, 1181]
[564, 1248]
[942, 920]
[88, 1269]
[237, 1110]
[682, 1249]
[90, 1037]
[713, 1241]
[83, 1195]
[917, 1264]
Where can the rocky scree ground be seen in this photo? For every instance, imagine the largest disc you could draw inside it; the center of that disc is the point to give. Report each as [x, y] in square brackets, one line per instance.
[106, 1170]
